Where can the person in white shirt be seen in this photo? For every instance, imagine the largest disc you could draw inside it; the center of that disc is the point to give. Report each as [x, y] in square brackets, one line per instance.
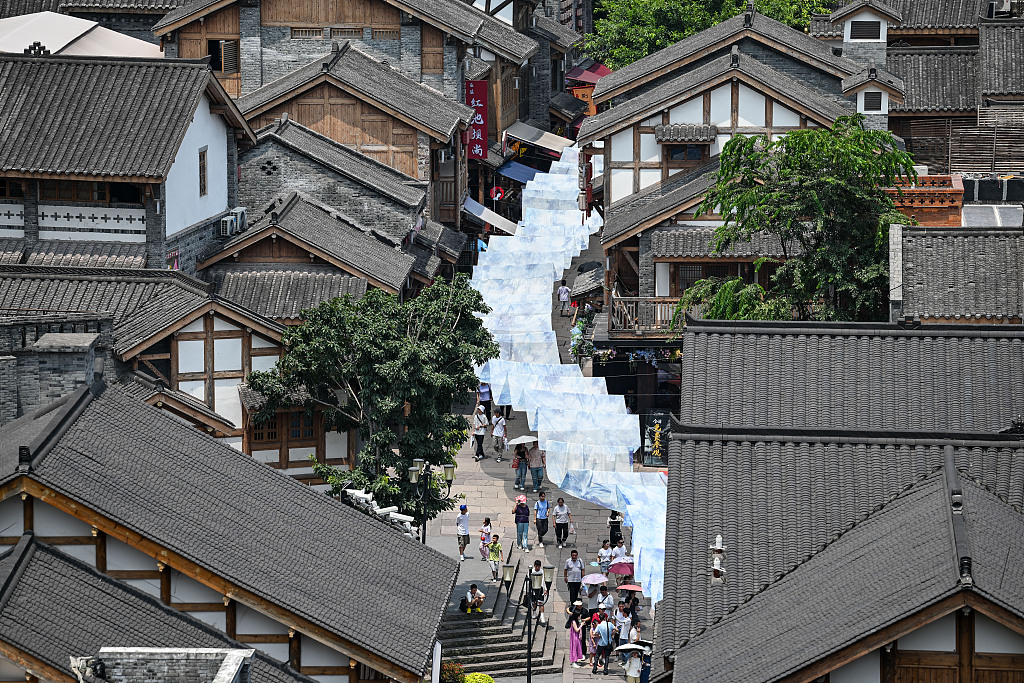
[563, 300]
[474, 599]
[619, 550]
[498, 431]
[623, 622]
[563, 518]
[605, 603]
[479, 431]
[604, 556]
[633, 668]
[462, 529]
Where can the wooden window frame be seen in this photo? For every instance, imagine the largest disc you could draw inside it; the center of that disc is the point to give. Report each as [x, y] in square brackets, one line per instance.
[203, 185]
[876, 99]
[7, 190]
[868, 30]
[75, 188]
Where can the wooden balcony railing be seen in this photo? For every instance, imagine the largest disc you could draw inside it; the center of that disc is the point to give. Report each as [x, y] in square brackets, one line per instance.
[643, 316]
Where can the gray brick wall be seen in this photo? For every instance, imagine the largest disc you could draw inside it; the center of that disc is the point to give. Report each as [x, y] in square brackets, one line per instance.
[452, 85]
[539, 83]
[193, 243]
[646, 263]
[138, 26]
[156, 226]
[281, 54]
[799, 71]
[867, 54]
[410, 62]
[8, 389]
[271, 169]
[251, 46]
[876, 121]
[232, 169]
[31, 202]
[171, 47]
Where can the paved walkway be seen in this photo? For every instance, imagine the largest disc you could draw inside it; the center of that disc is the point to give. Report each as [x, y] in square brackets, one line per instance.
[487, 487]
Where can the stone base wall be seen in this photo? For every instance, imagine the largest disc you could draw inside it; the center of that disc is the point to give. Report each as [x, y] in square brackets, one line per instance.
[193, 243]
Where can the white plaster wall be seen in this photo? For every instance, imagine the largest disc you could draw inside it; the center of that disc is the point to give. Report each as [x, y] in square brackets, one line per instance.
[226, 400]
[227, 354]
[261, 343]
[315, 653]
[336, 444]
[653, 121]
[267, 456]
[650, 150]
[191, 355]
[194, 326]
[233, 441]
[123, 556]
[11, 517]
[278, 651]
[182, 203]
[661, 279]
[49, 521]
[867, 669]
[751, 107]
[218, 620]
[621, 183]
[221, 325]
[721, 105]
[783, 116]
[690, 111]
[719, 143]
[622, 145]
[248, 621]
[865, 16]
[196, 388]
[938, 636]
[187, 589]
[301, 453]
[263, 362]
[9, 671]
[993, 637]
[85, 553]
[649, 176]
[148, 586]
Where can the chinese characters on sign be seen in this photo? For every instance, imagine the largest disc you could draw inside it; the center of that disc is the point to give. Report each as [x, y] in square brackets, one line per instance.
[476, 97]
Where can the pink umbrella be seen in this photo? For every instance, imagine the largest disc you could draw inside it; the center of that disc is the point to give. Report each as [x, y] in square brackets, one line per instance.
[593, 579]
[623, 567]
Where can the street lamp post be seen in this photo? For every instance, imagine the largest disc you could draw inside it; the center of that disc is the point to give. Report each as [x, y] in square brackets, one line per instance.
[535, 583]
[420, 478]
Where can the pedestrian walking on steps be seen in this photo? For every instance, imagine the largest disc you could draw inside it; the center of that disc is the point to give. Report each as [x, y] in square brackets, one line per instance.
[479, 431]
[592, 647]
[483, 397]
[522, 516]
[563, 300]
[604, 556]
[537, 461]
[462, 529]
[540, 518]
[494, 556]
[540, 595]
[633, 664]
[575, 627]
[519, 463]
[563, 518]
[485, 538]
[614, 524]
[605, 632]
[572, 574]
[623, 624]
[498, 432]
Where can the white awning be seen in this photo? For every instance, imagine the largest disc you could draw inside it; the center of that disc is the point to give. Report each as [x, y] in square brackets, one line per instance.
[535, 136]
[487, 216]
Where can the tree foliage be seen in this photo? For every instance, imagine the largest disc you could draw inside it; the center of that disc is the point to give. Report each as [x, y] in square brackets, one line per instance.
[391, 370]
[730, 299]
[820, 192]
[628, 30]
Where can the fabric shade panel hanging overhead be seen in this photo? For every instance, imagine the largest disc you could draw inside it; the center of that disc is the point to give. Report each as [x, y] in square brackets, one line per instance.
[487, 216]
[517, 171]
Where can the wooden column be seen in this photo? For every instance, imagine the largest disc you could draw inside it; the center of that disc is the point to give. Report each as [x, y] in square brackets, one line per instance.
[165, 582]
[965, 644]
[28, 512]
[294, 649]
[888, 661]
[230, 617]
[353, 671]
[101, 549]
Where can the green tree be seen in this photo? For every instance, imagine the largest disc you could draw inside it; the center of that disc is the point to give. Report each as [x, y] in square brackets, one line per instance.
[628, 30]
[392, 370]
[730, 299]
[820, 191]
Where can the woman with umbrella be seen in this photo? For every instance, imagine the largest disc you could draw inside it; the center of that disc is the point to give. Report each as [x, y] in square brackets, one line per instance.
[520, 459]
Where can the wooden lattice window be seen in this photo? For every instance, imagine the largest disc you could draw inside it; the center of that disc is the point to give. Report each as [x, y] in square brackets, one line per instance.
[202, 172]
[865, 30]
[872, 101]
[386, 33]
[347, 32]
[265, 432]
[300, 426]
[308, 34]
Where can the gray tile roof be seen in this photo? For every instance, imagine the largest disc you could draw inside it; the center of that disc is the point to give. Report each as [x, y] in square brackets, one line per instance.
[687, 241]
[182, 10]
[142, 302]
[133, 6]
[11, 250]
[371, 173]
[282, 292]
[1002, 59]
[369, 252]
[14, 8]
[474, 26]
[854, 375]
[761, 25]
[679, 88]
[686, 132]
[997, 540]
[880, 76]
[588, 282]
[474, 68]
[113, 116]
[436, 236]
[144, 387]
[556, 32]
[842, 592]
[917, 14]
[56, 606]
[936, 78]
[360, 73]
[92, 254]
[171, 490]
[426, 263]
[567, 105]
[969, 272]
[811, 511]
[641, 208]
[877, 6]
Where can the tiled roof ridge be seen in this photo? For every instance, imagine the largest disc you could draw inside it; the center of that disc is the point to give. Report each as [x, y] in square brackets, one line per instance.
[932, 49]
[176, 277]
[291, 202]
[966, 474]
[108, 59]
[851, 329]
[878, 508]
[69, 409]
[895, 437]
[21, 554]
[963, 230]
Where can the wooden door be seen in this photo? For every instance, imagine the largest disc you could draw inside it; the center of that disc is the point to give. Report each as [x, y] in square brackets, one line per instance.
[431, 50]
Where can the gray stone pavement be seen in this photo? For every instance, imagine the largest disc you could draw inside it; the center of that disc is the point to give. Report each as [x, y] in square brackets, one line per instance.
[487, 488]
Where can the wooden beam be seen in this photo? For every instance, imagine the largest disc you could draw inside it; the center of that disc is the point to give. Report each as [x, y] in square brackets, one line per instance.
[165, 582]
[101, 551]
[631, 261]
[262, 637]
[230, 617]
[295, 649]
[965, 644]
[35, 667]
[28, 512]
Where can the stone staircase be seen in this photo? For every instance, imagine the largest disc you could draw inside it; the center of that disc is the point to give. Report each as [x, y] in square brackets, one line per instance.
[494, 641]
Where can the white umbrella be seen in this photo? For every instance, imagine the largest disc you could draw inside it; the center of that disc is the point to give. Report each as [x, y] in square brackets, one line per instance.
[522, 439]
[630, 647]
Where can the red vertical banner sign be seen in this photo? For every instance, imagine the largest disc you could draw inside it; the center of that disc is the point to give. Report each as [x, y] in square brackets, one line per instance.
[476, 97]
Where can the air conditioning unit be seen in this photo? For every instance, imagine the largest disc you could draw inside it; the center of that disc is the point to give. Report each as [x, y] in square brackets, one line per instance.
[241, 223]
[228, 226]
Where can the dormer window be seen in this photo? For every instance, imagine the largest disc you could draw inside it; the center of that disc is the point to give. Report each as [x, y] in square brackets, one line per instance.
[872, 101]
[865, 30]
